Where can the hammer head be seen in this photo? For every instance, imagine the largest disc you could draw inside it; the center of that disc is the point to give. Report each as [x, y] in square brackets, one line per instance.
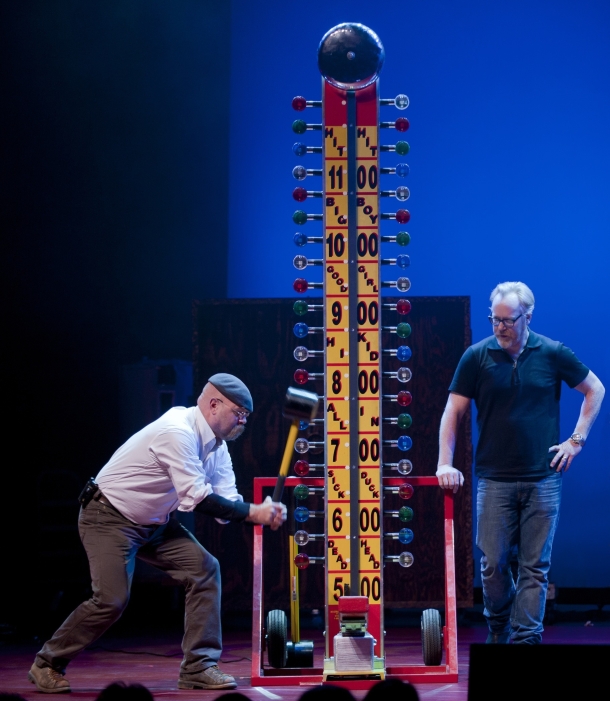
[300, 405]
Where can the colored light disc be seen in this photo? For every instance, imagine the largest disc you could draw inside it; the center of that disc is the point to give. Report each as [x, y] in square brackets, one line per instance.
[402, 148]
[300, 262]
[402, 170]
[300, 173]
[403, 330]
[301, 491]
[403, 193]
[404, 398]
[301, 514]
[301, 445]
[301, 376]
[403, 306]
[300, 149]
[301, 330]
[300, 353]
[405, 514]
[299, 103]
[405, 443]
[404, 468]
[405, 491]
[301, 468]
[303, 424]
[300, 239]
[401, 101]
[403, 238]
[402, 216]
[299, 217]
[302, 561]
[301, 537]
[300, 285]
[403, 261]
[403, 353]
[403, 284]
[299, 194]
[401, 124]
[405, 536]
[403, 374]
[404, 421]
[405, 559]
[300, 307]
[299, 126]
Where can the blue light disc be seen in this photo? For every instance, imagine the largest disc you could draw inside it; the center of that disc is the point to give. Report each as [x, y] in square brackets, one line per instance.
[403, 261]
[405, 535]
[403, 353]
[300, 239]
[402, 170]
[299, 149]
[301, 514]
[404, 443]
[301, 330]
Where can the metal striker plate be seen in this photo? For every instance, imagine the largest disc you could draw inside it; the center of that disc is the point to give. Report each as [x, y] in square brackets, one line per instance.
[350, 56]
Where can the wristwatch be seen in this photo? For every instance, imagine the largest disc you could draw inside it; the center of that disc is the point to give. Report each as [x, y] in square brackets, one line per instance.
[578, 439]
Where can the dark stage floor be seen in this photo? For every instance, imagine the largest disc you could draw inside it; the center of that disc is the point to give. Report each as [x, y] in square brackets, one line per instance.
[154, 660]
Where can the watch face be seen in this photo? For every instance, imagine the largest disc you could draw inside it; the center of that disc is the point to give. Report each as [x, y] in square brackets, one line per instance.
[576, 438]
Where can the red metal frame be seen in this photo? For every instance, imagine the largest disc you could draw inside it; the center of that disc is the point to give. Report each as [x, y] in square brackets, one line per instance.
[421, 674]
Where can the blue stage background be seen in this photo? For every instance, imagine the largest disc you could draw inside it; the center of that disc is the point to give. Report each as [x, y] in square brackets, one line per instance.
[509, 178]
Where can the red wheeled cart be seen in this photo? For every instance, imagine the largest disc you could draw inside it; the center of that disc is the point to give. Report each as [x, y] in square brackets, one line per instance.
[265, 675]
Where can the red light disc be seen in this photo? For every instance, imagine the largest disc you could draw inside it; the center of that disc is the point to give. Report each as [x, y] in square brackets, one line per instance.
[401, 124]
[403, 306]
[403, 216]
[301, 376]
[299, 194]
[300, 285]
[405, 491]
[301, 468]
[301, 561]
[299, 103]
[404, 398]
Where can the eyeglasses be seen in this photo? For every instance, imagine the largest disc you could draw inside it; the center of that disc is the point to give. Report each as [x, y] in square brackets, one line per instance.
[509, 323]
[240, 414]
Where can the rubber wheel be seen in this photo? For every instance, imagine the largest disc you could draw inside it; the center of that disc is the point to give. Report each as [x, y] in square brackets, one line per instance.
[277, 638]
[431, 637]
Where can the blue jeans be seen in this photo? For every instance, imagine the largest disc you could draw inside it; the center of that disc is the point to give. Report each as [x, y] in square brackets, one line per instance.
[525, 515]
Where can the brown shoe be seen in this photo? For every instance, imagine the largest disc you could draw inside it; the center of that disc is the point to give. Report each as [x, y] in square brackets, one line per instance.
[48, 680]
[210, 678]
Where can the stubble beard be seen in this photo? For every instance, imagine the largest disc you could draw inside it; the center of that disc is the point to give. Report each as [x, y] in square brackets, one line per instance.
[235, 433]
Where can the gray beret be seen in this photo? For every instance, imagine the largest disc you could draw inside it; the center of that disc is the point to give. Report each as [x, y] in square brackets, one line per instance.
[233, 388]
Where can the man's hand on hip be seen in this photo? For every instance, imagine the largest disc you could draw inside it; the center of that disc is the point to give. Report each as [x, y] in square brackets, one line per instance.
[449, 477]
[269, 513]
[566, 452]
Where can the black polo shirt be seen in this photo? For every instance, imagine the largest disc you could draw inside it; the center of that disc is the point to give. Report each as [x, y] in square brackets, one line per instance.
[517, 404]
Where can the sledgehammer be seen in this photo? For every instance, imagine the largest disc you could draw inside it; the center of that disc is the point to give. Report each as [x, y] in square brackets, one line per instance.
[299, 405]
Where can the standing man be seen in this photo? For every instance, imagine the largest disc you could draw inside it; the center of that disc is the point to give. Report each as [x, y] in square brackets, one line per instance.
[179, 462]
[515, 380]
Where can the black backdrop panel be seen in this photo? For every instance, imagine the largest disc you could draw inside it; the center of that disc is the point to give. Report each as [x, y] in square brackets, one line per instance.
[253, 339]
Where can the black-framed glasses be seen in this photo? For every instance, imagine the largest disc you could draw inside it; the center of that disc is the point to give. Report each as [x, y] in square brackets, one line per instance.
[509, 323]
[240, 414]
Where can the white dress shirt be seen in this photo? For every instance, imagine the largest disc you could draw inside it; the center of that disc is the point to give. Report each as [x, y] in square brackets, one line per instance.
[174, 462]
